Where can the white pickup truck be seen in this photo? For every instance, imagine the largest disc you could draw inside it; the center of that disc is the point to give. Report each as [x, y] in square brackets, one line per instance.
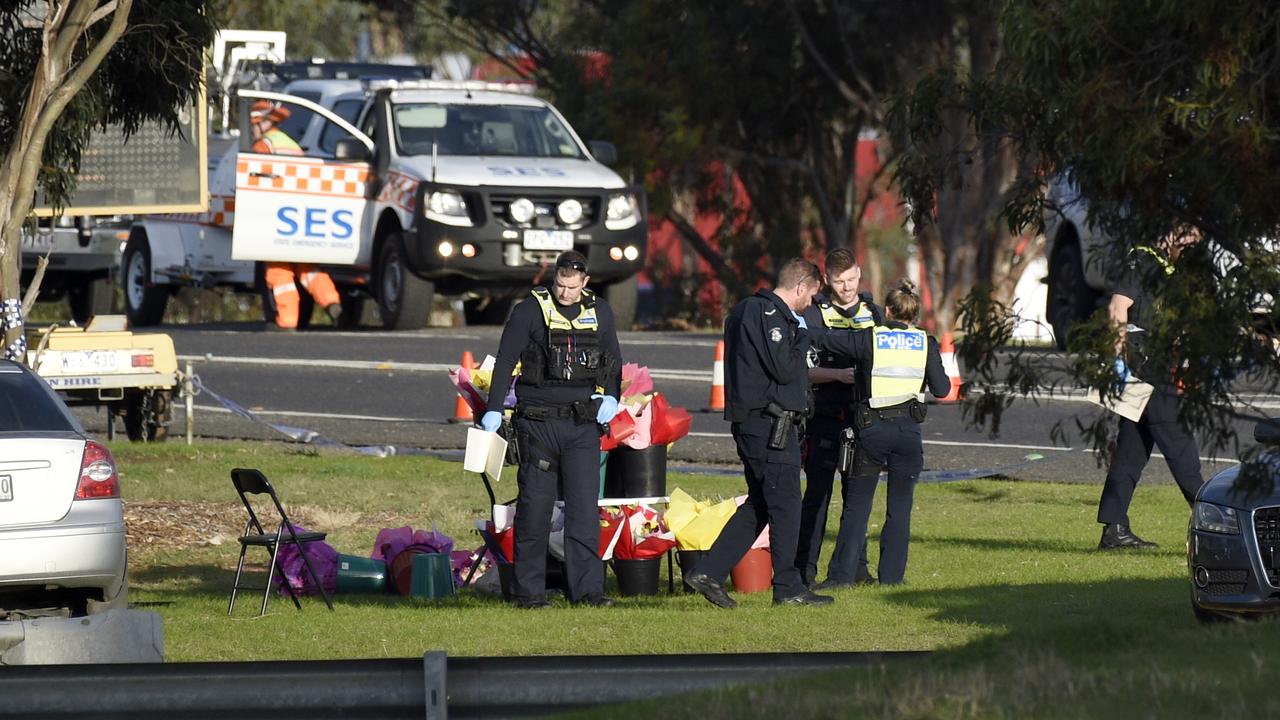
[405, 189]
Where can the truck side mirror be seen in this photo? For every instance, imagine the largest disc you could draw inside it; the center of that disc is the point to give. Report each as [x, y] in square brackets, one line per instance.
[350, 149]
[604, 152]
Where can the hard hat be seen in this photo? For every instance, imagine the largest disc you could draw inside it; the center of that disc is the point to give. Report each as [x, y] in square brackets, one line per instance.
[272, 111]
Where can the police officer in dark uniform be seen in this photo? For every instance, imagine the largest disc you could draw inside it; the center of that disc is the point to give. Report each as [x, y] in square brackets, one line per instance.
[898, 361]
[1132, 309]
[567, 392]
[766, 383]
[834, 397]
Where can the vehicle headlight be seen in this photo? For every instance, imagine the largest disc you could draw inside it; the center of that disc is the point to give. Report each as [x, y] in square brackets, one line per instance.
[569, 211]
[521, 210]
[623, 212]
[1215, 519]
[448, 207]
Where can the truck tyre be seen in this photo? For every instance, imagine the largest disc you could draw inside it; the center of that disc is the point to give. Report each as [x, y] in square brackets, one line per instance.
[1070, 300]
[404, 299]
[143, 302]
[90, 297]
[146, 414]
[621, 296]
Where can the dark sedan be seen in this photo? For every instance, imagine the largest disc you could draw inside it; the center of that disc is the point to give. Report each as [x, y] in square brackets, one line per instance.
[1233, 539]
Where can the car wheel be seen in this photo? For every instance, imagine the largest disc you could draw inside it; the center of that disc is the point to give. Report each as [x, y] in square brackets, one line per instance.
[404, 299]
[144, 302]
[146, 415]
[621, 296]
[90, 297]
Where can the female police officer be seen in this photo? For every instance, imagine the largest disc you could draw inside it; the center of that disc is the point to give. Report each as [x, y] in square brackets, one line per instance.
[564, 338]
[898, 361]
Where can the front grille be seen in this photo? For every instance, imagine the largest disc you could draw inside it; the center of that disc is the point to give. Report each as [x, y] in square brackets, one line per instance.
[1266, 528]
[545, 217]
[1220, 589]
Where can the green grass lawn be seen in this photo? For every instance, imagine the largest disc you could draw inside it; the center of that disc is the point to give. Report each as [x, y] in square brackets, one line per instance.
[1004, 581]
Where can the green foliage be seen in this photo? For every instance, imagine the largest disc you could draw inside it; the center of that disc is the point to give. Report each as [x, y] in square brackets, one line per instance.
[1164, 116]
[152, 71]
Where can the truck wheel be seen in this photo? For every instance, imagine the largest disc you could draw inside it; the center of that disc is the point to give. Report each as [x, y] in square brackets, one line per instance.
[90, 297]
[404, 299]
[146, 414]
[621, 296]
[143, 302]
[1070, 300]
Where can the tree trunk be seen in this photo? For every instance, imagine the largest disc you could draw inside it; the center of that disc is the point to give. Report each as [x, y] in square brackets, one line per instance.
[58, 77]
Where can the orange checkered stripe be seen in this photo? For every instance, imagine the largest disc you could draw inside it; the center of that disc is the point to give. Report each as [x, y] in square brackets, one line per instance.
[222, 212]
[400, 189]
[302, 175]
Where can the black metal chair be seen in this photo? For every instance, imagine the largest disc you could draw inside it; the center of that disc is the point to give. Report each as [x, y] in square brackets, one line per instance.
[252, 482]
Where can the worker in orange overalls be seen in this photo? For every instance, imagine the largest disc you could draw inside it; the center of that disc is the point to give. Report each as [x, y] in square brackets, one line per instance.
[283, 278]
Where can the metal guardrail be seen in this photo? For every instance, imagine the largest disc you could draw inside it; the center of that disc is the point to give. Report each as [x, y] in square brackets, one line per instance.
[475, 687]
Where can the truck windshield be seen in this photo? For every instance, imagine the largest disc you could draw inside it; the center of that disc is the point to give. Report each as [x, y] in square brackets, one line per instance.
[509, 130]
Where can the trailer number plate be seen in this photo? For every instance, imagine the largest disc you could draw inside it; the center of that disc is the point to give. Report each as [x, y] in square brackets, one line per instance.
[548, 239]
[88, 361]
[6, 487]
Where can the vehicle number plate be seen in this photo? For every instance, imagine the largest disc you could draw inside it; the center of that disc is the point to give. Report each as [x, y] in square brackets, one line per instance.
[6, 488]
[88, 362]
[548, 239]
[40, 241]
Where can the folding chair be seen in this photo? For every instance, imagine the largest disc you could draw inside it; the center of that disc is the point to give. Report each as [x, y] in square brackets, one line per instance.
[252, 482]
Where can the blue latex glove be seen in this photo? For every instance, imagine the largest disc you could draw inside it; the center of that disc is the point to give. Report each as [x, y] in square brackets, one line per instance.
[491, 421]
[1122, 372]
[608, 408]
[800, 319]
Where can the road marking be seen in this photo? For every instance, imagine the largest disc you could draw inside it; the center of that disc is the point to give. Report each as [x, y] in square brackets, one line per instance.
[398, 366]
[329, 416]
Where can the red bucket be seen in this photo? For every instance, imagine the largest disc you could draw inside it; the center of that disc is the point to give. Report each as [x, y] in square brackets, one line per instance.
[754, 572]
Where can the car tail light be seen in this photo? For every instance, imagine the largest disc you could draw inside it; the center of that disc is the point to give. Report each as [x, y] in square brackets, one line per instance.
[144, 360]
[98, 478]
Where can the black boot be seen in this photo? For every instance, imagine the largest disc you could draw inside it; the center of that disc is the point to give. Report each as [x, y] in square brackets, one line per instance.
[1118, 535]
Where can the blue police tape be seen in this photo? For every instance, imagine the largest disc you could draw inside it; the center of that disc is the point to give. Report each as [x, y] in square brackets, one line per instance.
[303, 435]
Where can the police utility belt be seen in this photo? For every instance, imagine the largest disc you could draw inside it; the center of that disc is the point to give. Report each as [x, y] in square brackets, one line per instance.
[864, 416]
[580, 412]
[782, 422]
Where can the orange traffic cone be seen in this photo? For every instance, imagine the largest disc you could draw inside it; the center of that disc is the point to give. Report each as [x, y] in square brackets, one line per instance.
[948, 351]
[716, 403]
[461, 410]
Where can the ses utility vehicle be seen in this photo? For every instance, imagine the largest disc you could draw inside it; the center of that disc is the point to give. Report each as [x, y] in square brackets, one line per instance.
[405, 189]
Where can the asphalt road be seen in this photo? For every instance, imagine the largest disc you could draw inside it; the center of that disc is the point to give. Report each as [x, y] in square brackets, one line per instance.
[392, 389]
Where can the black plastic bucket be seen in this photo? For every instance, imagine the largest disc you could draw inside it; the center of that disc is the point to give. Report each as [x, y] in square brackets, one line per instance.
[637, 577]
[637, 473]
[688, 560]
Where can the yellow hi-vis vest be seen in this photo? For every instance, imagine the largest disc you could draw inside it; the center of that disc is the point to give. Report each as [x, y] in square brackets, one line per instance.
[836, 320]
[572, 354]
[586, 319]
[897, 365]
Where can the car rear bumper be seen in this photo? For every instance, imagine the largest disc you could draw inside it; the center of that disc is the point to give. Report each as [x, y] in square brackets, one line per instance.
[1227, 573]
[75, 556]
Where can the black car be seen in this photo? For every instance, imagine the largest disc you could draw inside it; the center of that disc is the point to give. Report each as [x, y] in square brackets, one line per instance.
[1233, 538]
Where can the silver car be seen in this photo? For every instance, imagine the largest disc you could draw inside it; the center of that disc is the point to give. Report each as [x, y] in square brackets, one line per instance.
[1233, 538]
[62, 535]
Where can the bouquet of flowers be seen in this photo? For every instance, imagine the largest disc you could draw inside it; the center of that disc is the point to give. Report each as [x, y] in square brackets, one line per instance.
[655, 421]
[473, 384]
[697, 524]
[644, 534]
[293, 570]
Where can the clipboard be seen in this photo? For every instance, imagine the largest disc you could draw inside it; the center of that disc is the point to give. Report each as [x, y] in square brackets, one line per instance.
[486, 453]
[1129, 404]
